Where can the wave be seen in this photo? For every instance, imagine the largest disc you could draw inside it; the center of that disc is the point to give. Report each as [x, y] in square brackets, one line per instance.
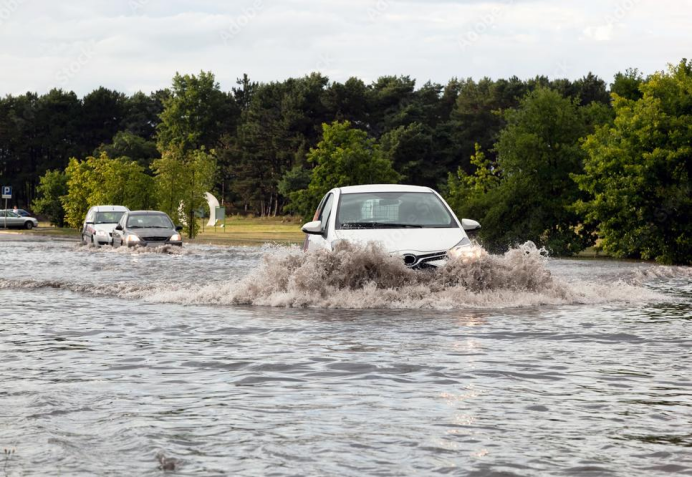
[366, 277]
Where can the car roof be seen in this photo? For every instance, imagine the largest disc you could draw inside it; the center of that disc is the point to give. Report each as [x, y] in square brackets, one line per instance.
[383, 188]
[147, 212]
[110, 208]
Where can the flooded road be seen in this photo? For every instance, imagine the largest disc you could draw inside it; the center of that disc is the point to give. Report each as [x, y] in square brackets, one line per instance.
[114, 362]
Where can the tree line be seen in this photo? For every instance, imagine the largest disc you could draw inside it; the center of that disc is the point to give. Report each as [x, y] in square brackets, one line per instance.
[563, 163]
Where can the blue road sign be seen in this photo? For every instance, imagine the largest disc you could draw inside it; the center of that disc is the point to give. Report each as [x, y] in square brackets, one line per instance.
[6, 192]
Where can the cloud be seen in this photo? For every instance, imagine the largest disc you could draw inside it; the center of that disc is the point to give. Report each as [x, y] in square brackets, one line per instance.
[139, 44]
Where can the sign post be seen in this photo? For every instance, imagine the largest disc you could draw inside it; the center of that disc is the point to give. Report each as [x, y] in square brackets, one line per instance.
[6, 194]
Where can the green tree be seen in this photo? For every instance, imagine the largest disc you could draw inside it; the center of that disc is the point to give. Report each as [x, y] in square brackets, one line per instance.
[196, 114]
[627, 85]
[472, 195]
[129, 145]
[536, 154]
[52, 186]
[345, 156]
[104, 181]
[181, 180]
[638, 172]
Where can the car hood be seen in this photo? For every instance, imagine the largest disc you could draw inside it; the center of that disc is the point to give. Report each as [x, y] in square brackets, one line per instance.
[143, 233]
[406, 240]
[105, 227]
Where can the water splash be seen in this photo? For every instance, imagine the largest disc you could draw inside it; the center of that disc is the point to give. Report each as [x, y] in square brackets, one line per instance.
[357, 276]
[366, 277]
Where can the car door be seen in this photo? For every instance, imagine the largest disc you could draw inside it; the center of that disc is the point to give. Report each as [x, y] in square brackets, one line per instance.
[13, 220]
[87, 230]
[118, 234]
[323, 215]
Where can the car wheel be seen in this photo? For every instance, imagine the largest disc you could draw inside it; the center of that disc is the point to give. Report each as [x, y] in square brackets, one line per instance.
[29, 225]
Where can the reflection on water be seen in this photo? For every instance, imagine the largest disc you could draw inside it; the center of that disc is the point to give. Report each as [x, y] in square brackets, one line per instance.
[112, 363]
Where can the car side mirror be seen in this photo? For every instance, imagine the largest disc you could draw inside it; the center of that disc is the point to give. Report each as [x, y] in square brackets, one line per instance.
[313, 228]
[470, 225]
[178, 228]
[118, 227]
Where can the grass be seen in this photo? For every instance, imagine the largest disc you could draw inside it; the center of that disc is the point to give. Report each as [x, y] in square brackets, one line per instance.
[238, 230]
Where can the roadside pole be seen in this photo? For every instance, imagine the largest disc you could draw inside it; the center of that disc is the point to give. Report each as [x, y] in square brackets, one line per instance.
[6, 194]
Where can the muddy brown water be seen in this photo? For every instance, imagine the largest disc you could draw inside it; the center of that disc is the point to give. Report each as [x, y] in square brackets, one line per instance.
[260, 361]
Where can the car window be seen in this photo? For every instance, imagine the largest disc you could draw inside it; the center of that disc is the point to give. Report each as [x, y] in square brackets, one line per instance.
[326, 211]
[156, 221]
[108, 217]
[393, 209]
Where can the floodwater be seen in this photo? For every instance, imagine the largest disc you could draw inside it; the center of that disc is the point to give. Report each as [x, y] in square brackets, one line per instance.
[263, 361]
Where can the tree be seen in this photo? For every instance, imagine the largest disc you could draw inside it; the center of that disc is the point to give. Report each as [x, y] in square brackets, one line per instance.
[128, 145]
[102, 112]
[181, 180]
[638, 172]
[345, 156]
[101, 181]
[536, 154]
[196, 114]
[52, 187]
[627, 85]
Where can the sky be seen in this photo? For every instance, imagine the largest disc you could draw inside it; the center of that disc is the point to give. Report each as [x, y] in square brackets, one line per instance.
[132, 45]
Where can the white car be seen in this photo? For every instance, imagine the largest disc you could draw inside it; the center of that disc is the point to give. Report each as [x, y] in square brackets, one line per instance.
[411, 221]
[99, 224]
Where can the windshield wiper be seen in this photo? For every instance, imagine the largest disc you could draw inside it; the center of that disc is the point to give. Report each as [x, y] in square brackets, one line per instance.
[373, 225]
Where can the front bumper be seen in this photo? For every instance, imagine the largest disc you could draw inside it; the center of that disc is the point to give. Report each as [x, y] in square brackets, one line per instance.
[152, 244]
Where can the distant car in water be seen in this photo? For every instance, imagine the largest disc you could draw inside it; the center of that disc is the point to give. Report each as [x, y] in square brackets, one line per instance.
[13, 220]
[99, 224]
[146, 228]
[411, 221]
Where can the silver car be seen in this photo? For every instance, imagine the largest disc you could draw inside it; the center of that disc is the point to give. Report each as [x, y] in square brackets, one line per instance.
[99, 224]
[10, 219]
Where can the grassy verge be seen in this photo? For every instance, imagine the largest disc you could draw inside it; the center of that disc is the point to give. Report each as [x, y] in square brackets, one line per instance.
[236, 231]
[239, 230]
[44, 228]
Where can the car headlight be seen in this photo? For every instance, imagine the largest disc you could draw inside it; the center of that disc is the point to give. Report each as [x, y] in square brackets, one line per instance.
[465, 250]
[176, 238]
[132, 239]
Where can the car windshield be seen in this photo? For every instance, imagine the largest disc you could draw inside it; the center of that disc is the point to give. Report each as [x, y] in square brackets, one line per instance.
[153, 221]
[108, 217]
[393, 210]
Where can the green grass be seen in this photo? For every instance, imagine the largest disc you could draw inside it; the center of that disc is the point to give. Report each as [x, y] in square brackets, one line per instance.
[44, 228]
[252, 231]
[238, 230]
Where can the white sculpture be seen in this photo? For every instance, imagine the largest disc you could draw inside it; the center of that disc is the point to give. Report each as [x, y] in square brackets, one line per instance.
[213, 204]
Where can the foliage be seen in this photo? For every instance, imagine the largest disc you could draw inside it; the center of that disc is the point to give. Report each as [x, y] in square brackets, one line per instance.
[345, 156]
[638, 172]
[181, 180]
[128, 145]
[196, 114]
[52, 186]
[104, 181]
[537, 152]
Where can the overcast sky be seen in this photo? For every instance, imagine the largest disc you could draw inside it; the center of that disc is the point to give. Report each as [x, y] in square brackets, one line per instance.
[132, 45]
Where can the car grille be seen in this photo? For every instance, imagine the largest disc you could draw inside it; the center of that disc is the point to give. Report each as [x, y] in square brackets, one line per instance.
[422, 261]
[155, 239]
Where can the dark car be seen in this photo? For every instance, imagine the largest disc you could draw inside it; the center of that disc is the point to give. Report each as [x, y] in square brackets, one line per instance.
[146, 228]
